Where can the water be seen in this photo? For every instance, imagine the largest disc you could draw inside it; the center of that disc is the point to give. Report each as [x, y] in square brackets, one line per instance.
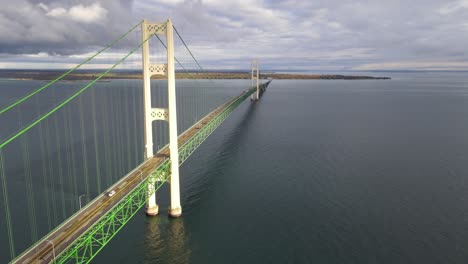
[322, 172]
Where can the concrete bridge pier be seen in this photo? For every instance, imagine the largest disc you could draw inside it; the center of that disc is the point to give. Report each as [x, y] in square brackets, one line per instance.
[152, 207]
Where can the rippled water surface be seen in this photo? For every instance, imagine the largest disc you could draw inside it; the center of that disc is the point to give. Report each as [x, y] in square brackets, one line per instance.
[323, 172]
[315, 172]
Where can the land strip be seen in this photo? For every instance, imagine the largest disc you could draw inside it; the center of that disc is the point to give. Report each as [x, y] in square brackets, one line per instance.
[91, 75]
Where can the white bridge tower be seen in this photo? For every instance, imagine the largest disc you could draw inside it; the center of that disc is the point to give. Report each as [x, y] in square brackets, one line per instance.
[254, 79]
[165, 114]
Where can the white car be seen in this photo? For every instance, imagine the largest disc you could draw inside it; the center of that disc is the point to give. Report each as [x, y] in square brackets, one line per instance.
[111, 193]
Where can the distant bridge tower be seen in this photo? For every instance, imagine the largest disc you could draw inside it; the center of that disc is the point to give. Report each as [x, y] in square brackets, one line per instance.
[254, 79]
[165, 114]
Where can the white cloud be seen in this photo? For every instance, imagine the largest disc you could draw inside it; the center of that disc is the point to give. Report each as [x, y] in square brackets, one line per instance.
[334, 25]
[93, 13]
[409, 65]
[453, 7]
[57, 12]
[50, 65]
[90, 14]
[43, 7]
[38, 55]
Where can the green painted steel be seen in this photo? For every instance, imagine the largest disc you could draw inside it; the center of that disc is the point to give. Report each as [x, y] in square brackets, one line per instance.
[91, 242]
[88, 245]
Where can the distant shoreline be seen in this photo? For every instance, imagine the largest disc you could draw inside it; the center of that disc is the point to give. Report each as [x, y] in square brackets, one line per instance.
[83, 75]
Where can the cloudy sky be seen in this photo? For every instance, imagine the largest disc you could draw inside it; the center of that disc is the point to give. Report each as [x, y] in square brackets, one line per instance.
[316, 35]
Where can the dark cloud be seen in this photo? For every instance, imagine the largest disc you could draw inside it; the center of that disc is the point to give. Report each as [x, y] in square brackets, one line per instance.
[322, 34]
[59, 27]
[345, 34]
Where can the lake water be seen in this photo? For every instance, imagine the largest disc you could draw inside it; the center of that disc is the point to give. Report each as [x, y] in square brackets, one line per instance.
[321, 172]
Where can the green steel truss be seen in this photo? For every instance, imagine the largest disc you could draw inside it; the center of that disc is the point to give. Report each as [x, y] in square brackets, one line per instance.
[90, 243]
[87, 246]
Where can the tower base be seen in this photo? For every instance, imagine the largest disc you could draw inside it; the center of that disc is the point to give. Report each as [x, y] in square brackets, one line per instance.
[176, 212]
[152, 211]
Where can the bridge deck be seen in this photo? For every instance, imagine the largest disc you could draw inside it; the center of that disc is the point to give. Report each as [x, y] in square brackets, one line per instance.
[75, 226]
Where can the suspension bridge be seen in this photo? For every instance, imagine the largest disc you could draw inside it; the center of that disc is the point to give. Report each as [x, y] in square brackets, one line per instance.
[78, 159]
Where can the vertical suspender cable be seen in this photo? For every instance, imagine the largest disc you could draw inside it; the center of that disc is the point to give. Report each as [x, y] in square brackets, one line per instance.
[59, 161]
[7, 207]
[96, 142]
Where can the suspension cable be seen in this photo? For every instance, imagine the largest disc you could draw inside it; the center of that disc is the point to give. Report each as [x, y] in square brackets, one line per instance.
[69, 71]
[55, 109]
[164, 45]
[191, 54]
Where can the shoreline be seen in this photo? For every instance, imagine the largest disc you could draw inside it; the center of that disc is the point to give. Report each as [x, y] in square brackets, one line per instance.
[79, 76]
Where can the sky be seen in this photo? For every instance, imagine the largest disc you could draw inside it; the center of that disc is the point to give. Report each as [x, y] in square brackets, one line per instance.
[318, 35]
